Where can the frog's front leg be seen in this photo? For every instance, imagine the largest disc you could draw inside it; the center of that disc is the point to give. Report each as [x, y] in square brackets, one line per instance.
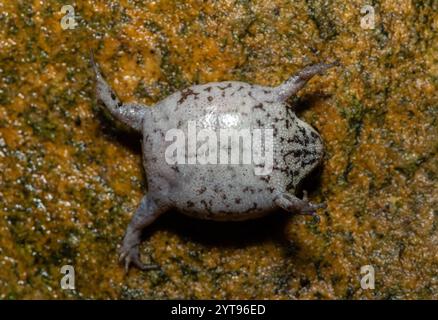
[293, 204]
[147, 212]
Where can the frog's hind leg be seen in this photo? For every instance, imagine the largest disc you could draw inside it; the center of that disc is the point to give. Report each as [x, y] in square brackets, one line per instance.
[128, 113]
[293, 204]
[299, 80]
[147, 212]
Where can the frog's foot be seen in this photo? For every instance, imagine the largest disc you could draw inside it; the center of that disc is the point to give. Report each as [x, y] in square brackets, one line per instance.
[130, 114]
[293, 204]
[299, 80]
[130, 256]
[146, 213]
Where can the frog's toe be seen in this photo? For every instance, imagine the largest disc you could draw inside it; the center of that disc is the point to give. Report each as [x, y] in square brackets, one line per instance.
[291, 203]
[131, 256]
[321, 205]
[310, 208]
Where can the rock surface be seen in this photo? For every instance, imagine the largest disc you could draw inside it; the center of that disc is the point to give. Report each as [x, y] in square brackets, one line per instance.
[70, 177]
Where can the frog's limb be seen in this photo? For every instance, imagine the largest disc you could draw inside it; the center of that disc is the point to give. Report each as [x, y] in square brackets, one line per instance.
[293, 204]
[147, 212]
[128, 113]
[299, 80]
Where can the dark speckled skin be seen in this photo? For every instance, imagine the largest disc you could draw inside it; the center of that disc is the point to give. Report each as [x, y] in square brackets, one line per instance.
[219, 191]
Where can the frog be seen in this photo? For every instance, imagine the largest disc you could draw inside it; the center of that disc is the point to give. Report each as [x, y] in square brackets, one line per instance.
[225, 191]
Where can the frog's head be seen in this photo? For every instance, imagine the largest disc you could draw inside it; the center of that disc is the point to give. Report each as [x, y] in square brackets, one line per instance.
[306, 149]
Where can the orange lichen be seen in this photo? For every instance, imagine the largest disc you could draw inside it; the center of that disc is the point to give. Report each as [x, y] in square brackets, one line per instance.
[70, 177]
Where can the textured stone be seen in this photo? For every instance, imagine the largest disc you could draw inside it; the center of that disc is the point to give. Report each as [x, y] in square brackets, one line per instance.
[69, 179]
